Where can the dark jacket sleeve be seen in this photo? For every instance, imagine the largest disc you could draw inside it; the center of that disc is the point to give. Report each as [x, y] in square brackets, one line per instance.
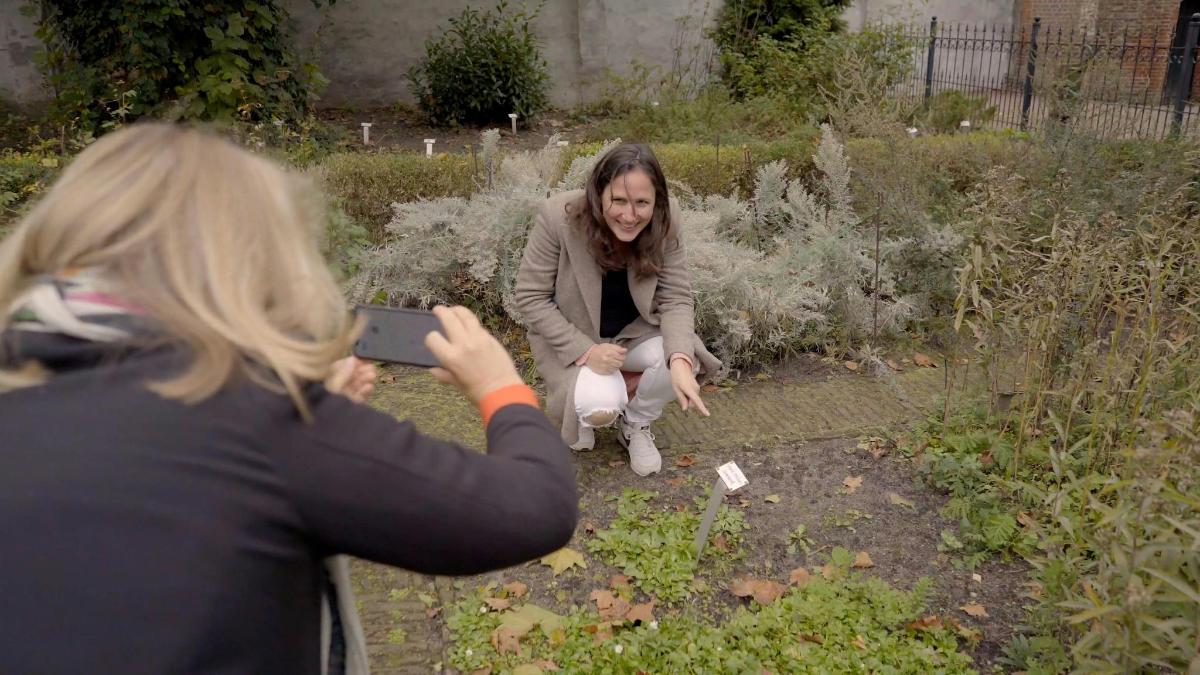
[370, 486]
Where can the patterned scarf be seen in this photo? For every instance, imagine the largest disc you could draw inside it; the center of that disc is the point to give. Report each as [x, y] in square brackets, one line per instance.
[82, 304]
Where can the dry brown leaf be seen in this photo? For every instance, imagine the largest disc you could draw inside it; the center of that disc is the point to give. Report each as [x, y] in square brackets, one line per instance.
[900, 501]
[893, 365]
[603, 599]
[619, 582]
[975, 609]
[744, 503]
[676, 482]
[927, 623]
[851, 365]
[923, 361]
[720, 543]
[506, 639]
[773, 499]
[762, 590]
[685, 460]
[497, 604]
[614, 463]
[431, 612]
[814, 638]
[830, 571]
[643, 612]
[516, 589]
[860, 642]
[710, 388]
[1026, 519]
[986, 459]
[962, 361]
[799, 577]
[589, 528]
[863, 560]
[852, 483]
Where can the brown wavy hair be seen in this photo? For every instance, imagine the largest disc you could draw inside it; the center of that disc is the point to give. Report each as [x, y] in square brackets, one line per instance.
[645, 254]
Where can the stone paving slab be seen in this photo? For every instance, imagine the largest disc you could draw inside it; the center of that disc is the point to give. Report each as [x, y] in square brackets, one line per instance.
[403, 639]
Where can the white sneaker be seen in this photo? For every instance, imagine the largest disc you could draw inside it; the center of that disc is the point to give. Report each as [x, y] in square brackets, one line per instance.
[587, 440]
[643, 454]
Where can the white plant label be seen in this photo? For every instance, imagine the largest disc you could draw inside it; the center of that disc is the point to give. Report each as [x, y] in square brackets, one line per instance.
[732, 476]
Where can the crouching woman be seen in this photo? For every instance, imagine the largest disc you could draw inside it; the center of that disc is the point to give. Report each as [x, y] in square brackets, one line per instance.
[605, 292]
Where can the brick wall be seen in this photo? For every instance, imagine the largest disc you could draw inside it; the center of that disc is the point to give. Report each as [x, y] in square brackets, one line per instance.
[1145, 27]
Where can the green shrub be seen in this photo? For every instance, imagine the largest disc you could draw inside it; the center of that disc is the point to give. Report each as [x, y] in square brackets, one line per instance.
[484, 67]
[369, 183]
[226, 60]
[945, 110]
[23, 176]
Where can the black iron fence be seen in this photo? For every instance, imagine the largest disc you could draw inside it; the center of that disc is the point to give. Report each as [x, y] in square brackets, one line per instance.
[1112, 84]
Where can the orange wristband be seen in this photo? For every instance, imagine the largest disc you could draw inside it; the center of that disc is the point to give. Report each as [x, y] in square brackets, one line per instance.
[513, 394]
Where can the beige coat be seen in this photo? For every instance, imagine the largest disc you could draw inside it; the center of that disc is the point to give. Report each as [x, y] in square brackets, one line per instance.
[558, 293]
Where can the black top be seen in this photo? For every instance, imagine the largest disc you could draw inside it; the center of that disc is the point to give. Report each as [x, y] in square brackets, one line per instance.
[616, 304]
[142, 535]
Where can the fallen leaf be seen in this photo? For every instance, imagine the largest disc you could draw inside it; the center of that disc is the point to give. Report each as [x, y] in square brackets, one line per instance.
[589, 528]
[616, 462]
[497, 604]
[505, 639]
[564, 559]
[852, 483]
[432, 612]
[643, 612]
[975, 609]
[721, 543]
[831, 572]
[971, 635]
[603, 599]
[900, 501]
[710, 388]
[977, 578]
[893, 365]
[863, 560]
[814, 638]
[528, 615]
[516, 589]
[744, 503]
[923, 361]
[851, 365]
[763, 591]
[1026, 519]
[774, 499]
[986, 459]
[859, 642]
[799, 577]
[928, 623]
[619, 582]
[685, 460]
[1035, 590]
[676, 482]
[962, 361]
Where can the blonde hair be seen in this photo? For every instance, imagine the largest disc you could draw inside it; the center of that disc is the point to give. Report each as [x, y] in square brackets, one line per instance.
[216, 244]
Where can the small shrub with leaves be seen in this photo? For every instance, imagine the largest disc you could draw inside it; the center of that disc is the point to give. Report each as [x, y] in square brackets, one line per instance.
[485, 66]
[804, 631]
[653, 545]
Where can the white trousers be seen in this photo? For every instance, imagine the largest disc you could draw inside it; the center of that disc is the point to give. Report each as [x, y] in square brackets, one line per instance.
[600, 398]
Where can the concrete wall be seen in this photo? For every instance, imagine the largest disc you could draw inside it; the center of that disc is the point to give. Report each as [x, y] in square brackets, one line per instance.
[366, 47]
[20, 81]
[998, 13]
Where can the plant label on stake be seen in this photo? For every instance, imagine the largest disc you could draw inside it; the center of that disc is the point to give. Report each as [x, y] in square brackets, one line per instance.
[729, 478]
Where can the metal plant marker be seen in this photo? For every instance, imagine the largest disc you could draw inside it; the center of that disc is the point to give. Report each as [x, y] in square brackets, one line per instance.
[729, 478]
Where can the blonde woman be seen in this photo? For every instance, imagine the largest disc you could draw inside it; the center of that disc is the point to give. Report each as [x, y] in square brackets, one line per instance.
[605, 290]
[174, 477]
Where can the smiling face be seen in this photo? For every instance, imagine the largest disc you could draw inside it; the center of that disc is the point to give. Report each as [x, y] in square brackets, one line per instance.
[628, 204]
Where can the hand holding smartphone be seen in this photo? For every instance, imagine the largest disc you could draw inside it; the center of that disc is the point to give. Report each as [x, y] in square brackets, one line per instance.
[397, 335]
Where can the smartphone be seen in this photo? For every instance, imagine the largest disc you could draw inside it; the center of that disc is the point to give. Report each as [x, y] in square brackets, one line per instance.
[397, 335]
